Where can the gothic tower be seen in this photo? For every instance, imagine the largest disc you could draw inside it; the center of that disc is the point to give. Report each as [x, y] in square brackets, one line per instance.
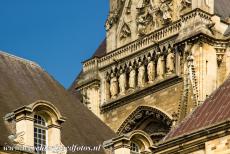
[159, 61]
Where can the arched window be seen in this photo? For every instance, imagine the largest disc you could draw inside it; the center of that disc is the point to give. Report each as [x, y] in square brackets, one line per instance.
[134, 148]
[40, 134]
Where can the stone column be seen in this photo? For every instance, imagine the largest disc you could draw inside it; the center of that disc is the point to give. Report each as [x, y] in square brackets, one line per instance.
[113, 86]
[151, 70]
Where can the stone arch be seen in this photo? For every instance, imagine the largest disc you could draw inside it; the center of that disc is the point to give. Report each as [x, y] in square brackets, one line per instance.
[47, 110]
[150, 120]
[142, 139]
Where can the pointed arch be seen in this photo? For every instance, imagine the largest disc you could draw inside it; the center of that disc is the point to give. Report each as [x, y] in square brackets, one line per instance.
[151, 120]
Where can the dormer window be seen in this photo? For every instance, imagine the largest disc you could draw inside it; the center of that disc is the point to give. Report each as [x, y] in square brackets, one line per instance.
[40, 134]
[37, 125]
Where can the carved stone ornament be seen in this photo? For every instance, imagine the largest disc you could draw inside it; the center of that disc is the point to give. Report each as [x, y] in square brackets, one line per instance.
[17, 139]
[112, 19]
[141, 113]
[144, 16]
[166, 11]
[125, 31]
[184, 4]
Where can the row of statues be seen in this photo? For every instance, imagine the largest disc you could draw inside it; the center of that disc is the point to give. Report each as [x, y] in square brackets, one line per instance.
[139, 76]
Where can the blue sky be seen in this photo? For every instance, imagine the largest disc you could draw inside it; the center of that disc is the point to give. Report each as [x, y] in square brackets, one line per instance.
[57, 34]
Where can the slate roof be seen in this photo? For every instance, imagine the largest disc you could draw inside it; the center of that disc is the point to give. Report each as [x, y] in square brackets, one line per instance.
[214, 110]
[222, 8]
[23, 82]
[101, 50]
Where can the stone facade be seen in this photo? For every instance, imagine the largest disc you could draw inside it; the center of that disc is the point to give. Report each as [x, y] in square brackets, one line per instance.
[163, 59]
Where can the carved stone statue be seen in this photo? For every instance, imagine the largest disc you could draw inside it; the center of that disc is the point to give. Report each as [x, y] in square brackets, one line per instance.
[132, 78]
[160, 68]
[113, 86]
[166, 12]
[170, 62]
[151, 70]
[141, 75]
[122, 82]
[17, 138]
[144, 17]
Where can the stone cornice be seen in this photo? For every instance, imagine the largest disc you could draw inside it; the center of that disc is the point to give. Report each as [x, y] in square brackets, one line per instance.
[141, 93]
[193, 139]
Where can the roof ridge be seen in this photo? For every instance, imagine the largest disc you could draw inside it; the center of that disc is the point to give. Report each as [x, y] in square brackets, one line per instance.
[25, 61]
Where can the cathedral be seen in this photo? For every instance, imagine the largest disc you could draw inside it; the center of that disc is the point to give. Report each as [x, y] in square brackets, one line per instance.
[154, 78]
[157, 84]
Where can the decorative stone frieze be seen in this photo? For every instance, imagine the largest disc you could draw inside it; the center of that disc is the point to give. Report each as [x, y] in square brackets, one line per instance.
[140, 72]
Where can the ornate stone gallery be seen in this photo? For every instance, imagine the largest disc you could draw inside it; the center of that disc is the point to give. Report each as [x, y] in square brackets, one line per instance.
[139, 72]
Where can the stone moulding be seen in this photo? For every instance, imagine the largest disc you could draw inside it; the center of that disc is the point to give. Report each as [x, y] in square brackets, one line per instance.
[148, 112]
[141, 93]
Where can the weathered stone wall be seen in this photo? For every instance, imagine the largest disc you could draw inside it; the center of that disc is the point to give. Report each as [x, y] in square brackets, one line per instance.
[166, 100]
[205, 62]
[218, 146]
